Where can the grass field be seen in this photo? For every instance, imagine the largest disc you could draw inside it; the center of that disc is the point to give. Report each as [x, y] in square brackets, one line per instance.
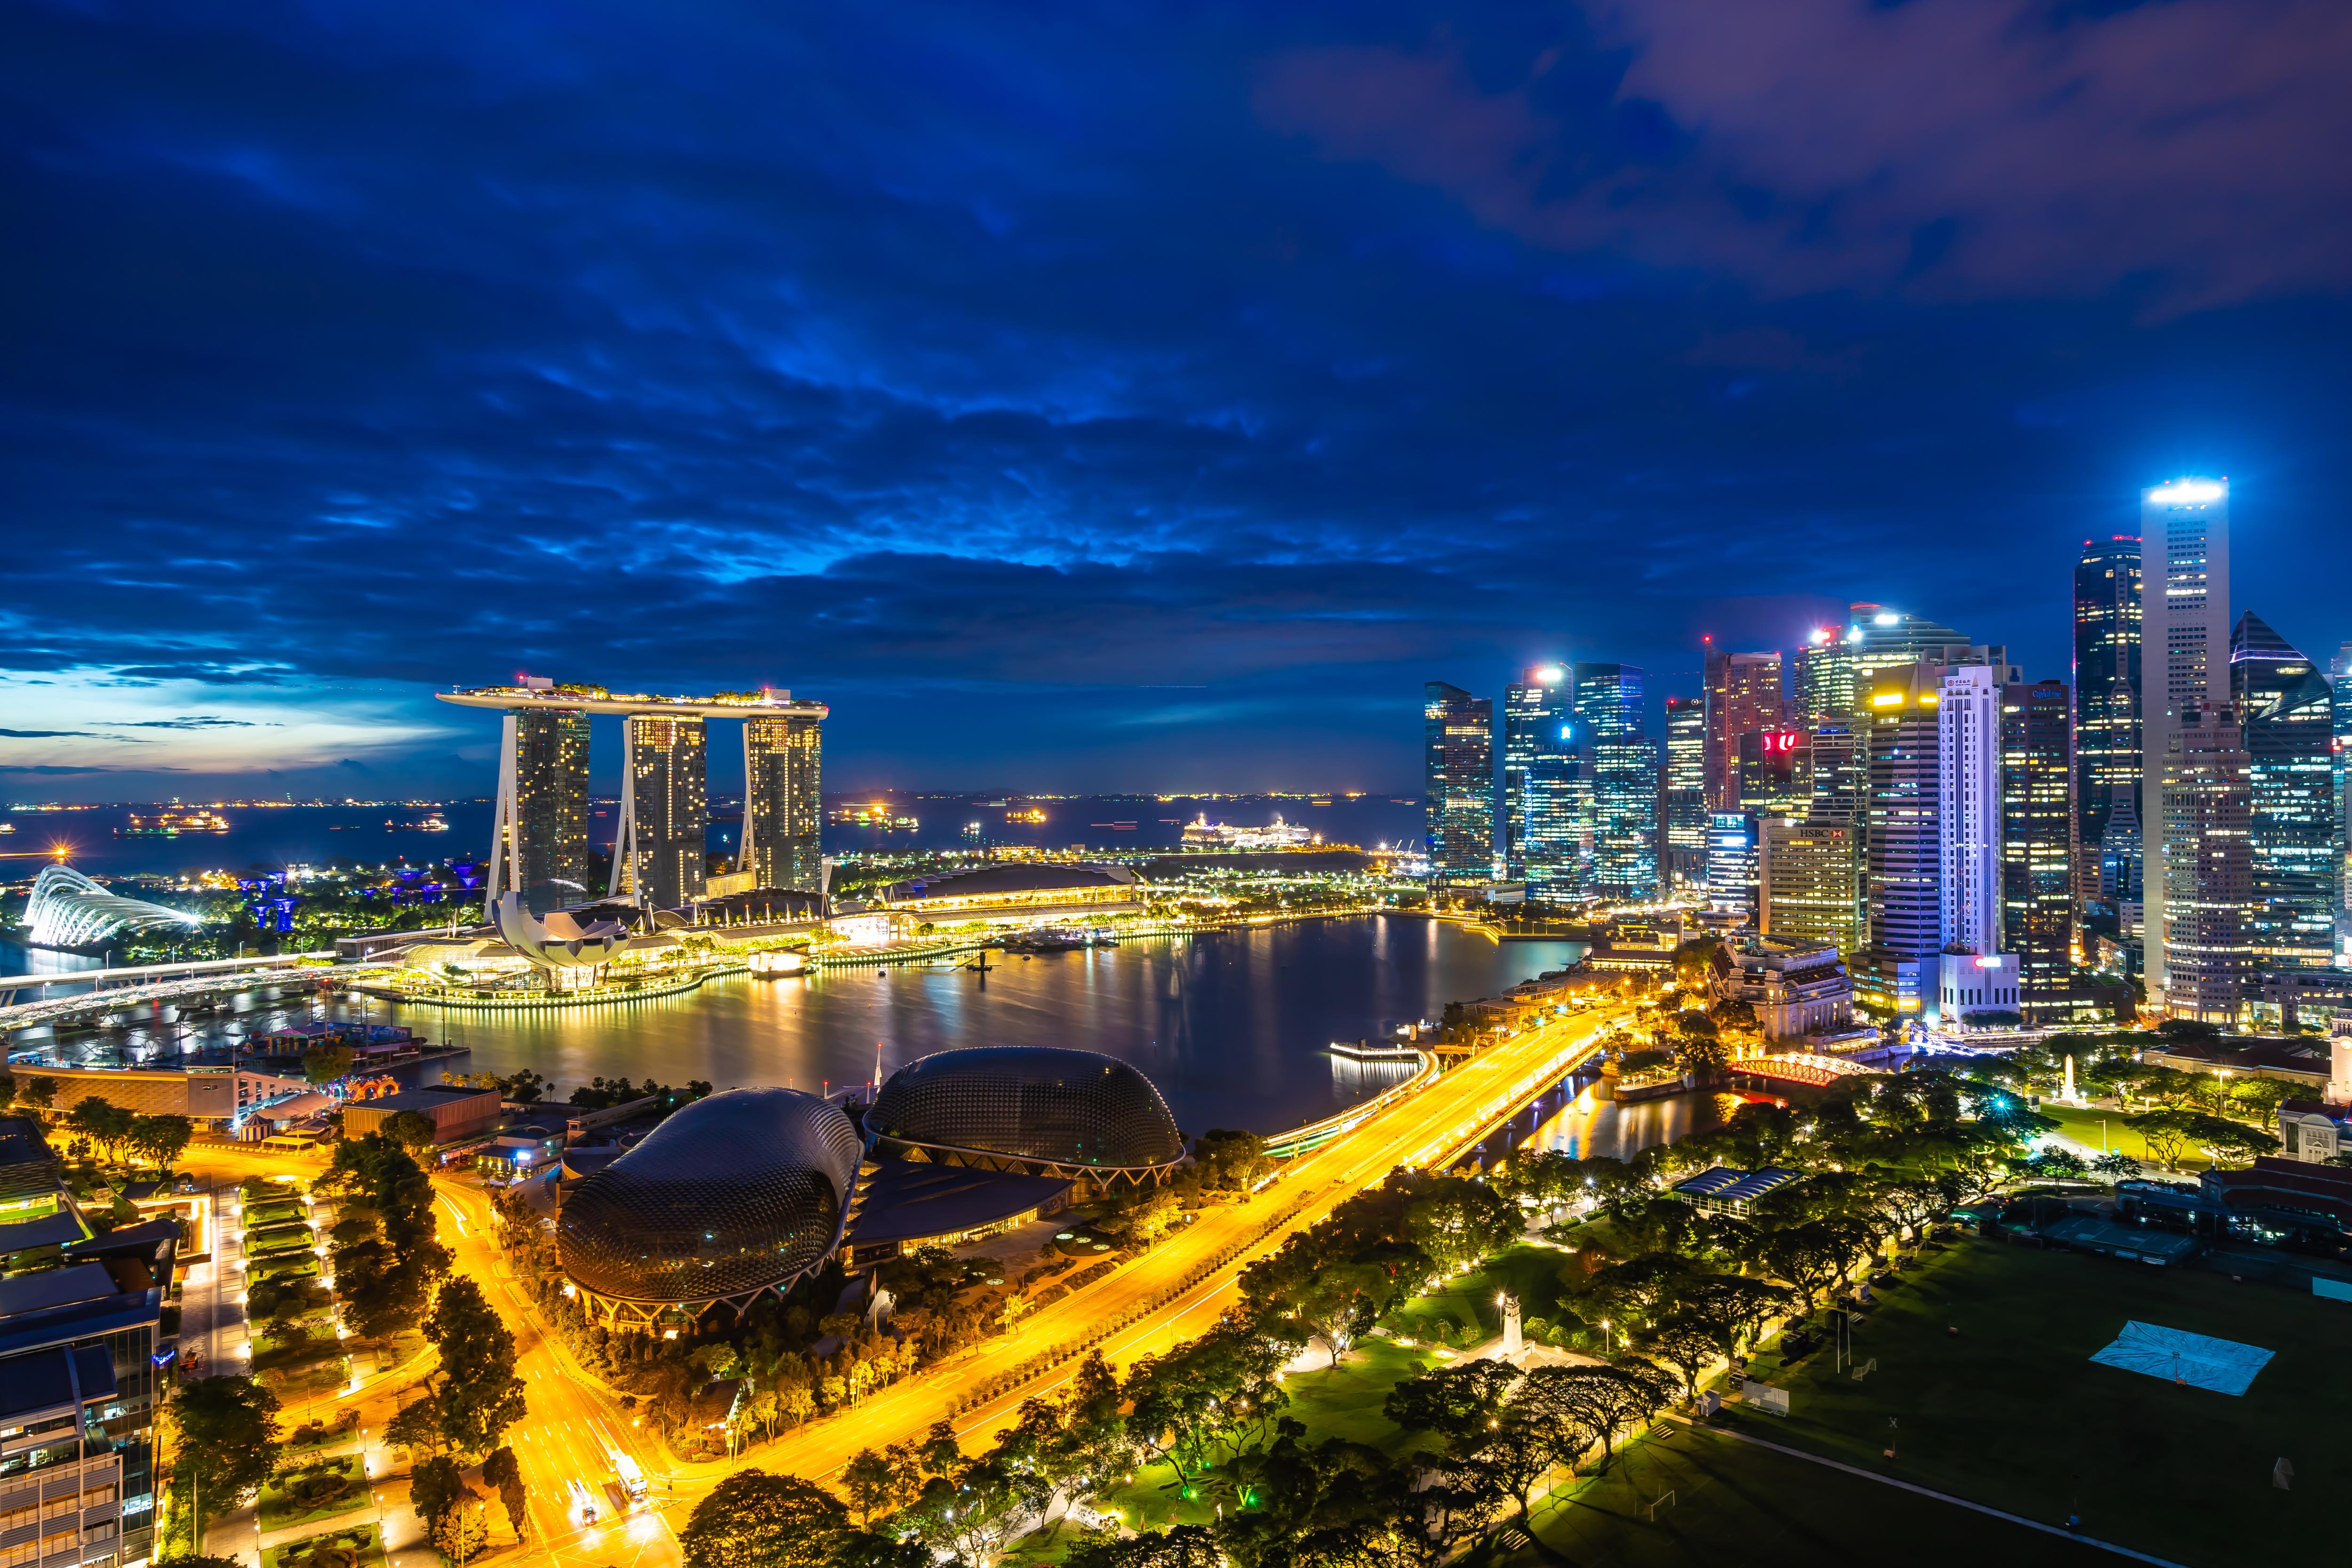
[2014, 1414]
[2082, 1125]
[1720, 1503]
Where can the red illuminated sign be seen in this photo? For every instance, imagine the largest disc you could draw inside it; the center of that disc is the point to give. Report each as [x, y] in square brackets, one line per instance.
[1779, 741]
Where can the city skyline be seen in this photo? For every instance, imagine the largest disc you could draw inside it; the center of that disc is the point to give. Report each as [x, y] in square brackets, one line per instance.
[1144, 411]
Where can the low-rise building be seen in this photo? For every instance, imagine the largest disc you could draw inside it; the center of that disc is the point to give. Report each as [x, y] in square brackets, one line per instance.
[1725, 1191]
[456, 1113]
[1797, 988]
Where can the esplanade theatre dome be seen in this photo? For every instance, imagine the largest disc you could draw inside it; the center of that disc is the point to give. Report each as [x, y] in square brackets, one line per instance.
[1066, 1112]
[741, 1192]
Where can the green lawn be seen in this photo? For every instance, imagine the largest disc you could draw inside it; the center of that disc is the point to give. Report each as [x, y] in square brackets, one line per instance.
[358, 1547]
[2082, 1124]
[2012, 1412]
[1733, 1503]
[319, 1491]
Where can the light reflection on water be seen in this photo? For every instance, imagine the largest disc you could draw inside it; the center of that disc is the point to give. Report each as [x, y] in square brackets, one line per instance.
[1231, 1026]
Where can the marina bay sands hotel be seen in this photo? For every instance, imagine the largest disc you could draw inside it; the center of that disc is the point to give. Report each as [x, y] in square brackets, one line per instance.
[659, 862]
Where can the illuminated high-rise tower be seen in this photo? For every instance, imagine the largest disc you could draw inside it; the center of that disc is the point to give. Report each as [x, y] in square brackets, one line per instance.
[2184, 664]
[1822, 683]
[1743, 698]
[782, 806]
[2289, 719]
[1539, 773]
[1685, 795]
[2037, 846]
[2208, 861]
[1624, 773]
[1458, 771]
[539, 844]
[2107, 692]
[660, 856]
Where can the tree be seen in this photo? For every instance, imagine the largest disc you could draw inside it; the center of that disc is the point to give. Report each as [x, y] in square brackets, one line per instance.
[502, 1471]
[417, 1428]
[1807, 1255]
[754, 1520]
[1454, 1402]
[102, 1123]
[228, 1443]
[326, 1064]
[881, 1480]
[2262, 1097]
[411, 1130]
[1186, 1546]
[2228, 1142]
[2115, 1166]
[437, 1489]
[2167, 1133]
[1229, 1161]
[160, 1138]
[1685, 1347]
[1458, 1222]
[40, 1093]
[479, 1394]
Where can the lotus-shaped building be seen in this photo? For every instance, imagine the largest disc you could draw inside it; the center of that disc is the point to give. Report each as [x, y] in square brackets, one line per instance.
[556, 942]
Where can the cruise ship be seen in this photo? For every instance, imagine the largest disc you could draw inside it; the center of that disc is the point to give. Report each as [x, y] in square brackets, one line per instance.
[1202, 833]
[431, 822]
[173, 822]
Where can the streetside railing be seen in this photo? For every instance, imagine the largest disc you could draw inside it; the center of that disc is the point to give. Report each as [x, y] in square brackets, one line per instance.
[1299, 1140]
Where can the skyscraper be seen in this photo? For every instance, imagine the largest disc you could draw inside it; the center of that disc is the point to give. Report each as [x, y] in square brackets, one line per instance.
[1685, 787]
[2289, 720]
[2184, 662]
[1733, 845]
[1540, 764]
[1805, 874]
[2037, 846]
[1975, 973]
[1743, 696]
[2120, 851]
[1776, 773]
[2208, 861]
[1610, 711]
[539, 843]
[1823, 682]
[2107, 691]
[783, 807]
[1458, 764]
[1882, 639]
[2342, 700]
[664, 811]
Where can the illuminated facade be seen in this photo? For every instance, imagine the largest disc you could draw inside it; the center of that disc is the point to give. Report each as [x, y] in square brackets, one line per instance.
[1883, 640]
[1806, 877]
[1685, 790]
[69, 909]
[783, 807]
[2037, 855]
[1540, 781]
[2184, 663]
[1625, 775]
[2207, 861]
[1733, 840]
[1821, 681]
[550, 839]
[1776, 773]
[2343, 687]
[2290, 731]
[661, 857]
[1458, 772]
[1743, 696]
[2107, 692]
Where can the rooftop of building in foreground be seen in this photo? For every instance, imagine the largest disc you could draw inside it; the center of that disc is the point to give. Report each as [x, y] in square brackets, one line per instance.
[538, 696]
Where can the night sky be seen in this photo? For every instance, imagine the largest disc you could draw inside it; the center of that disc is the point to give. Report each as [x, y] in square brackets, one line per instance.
[1115, 396]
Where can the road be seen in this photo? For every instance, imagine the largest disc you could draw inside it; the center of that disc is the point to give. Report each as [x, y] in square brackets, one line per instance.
[1431, 1128]
[572, 1426]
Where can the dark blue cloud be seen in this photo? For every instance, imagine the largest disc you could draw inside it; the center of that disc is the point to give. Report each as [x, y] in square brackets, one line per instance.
[988, 374]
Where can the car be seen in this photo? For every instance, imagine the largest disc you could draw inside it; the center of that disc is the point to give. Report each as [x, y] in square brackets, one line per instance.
[583, 1502]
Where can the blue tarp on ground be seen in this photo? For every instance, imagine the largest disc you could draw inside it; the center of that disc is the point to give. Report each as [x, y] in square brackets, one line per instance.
[2178, 1356]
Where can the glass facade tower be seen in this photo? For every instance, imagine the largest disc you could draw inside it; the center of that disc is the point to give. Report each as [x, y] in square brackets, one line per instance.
[2107, 693]
[2207, 862]
[1609, 715]
[552, 808]
[1539, 772]
[2184, 530]
[1458, 772]
[2289, 717]
[783, 775]
[2037, 846]
[1743, 696]
[669, 809]
[1685, 787]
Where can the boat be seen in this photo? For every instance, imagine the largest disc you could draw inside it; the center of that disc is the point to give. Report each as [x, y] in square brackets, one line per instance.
[431, 822]
[171, 824]
[1202, 833]
[1053, 939]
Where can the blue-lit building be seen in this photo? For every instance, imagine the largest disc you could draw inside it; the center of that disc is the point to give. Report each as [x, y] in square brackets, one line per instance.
[1542, 783]
[1625, 772]
[2290, 729]
[1731, 864]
